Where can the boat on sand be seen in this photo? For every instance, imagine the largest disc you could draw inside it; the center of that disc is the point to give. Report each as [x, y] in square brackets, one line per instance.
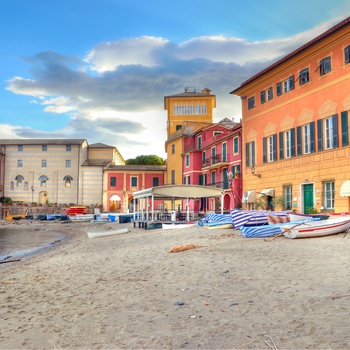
[174, 225]
[97, 234]
[318, 228]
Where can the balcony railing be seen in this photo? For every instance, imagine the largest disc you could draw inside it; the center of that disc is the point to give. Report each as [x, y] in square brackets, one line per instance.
[218, 159]
[222, 184]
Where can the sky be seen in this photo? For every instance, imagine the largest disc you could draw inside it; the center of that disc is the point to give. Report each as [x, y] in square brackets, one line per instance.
[99, 69]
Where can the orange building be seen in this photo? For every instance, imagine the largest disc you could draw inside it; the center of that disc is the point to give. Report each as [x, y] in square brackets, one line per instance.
[295, 117]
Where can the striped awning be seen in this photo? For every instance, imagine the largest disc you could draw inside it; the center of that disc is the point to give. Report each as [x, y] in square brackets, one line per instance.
[268, 192]
[249, 196]
[345, 189]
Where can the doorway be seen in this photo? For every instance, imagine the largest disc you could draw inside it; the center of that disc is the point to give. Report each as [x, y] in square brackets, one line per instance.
[308, 197]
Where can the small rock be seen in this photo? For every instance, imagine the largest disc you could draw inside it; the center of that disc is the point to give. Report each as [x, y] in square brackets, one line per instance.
[179, 303]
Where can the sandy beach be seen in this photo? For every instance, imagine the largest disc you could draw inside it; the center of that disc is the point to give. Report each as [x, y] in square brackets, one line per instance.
[128, 292]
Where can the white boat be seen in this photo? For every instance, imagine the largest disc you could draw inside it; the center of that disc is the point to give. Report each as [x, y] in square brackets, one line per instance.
[97, 234]
[81, 217]
[298, 216]
[317, 228]
[175, 226]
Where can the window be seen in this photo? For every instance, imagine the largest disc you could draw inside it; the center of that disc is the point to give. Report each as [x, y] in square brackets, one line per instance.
[251, 102]
[44, 148]
[12, 185]
[20, 148]
[202, 179]
[68, 163]
[44, 163]
[329, 195]
[187, 160]
[155, 181]
[285, 85]
[235, 145]
[173, 177]
[67, 181]
[288, 143]
[43, 179]
[199, 142]
[347, 54]
[266, 95]
[68, 148]
[112, 181]
[304, 76]
[19, 163]
[133, 181]
[172, 149]
[270, 148]
[325, 66]
[328, 125]
[224, 152]
[19, 180]
[306, 139]
[187, 180]
[288, 197]
[250, 154]
[213, 178]
[178, 127]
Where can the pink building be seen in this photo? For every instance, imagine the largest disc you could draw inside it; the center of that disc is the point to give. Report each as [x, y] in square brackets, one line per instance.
[212, 156]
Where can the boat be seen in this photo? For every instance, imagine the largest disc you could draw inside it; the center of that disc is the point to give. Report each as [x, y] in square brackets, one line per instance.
[97, 234]
[298, 216]
[218, 225]
[174, 225]
[81, 217]
[316, 228]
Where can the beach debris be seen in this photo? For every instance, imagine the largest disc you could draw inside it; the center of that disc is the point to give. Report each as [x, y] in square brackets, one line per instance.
[340, 296]
[182, 248]
[269, 342]
[179, 303]
[9, 261]
[226, 271]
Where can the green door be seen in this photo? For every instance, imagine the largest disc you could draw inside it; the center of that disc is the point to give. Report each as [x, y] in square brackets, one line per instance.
[308, 197]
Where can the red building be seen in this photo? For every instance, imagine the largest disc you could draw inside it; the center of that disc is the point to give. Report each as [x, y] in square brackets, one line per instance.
[212, 157]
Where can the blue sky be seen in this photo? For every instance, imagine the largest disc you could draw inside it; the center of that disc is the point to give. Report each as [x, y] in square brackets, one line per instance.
[99, 69]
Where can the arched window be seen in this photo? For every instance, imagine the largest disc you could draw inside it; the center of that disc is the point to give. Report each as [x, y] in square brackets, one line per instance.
[19, 180]
[43, 179]
[67, 181]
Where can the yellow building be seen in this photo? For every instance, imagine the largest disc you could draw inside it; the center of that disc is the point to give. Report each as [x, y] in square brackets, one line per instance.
[295, 127]
[187, 112]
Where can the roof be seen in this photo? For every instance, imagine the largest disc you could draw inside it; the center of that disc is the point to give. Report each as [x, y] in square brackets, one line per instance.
[179, 192]
[42, 141]
[296, 52]
[100, 145]
[96, 162]
[137, 167]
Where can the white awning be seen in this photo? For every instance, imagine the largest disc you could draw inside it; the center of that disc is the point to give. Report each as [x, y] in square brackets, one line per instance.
[115, 197]
[249, 196]
[345, 189]
[267, 192]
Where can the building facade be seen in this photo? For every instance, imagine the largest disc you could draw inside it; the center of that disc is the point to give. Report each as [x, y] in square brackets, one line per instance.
[295, 127]
[212, 157]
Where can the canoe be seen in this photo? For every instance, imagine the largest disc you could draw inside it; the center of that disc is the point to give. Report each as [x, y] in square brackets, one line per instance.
[81, 217]
[316, 228]
[175, 226]
[97, 234]
[298, 217]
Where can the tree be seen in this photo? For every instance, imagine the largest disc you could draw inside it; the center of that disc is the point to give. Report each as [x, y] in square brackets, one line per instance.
[145, 160]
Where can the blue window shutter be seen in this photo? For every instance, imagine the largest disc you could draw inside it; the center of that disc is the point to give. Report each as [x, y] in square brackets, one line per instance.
[312, 137]
[319, 135]
[279, 89]
[247, 154]
[335, 131]
[345, 128]
[274, 147]
[299, 141]
[291, 82]
[264, 150]
[262, 96]
[253, 153]
[292, 142]
[281, 145]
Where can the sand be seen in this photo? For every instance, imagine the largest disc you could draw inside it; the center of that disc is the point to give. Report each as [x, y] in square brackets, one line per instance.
[128, 292]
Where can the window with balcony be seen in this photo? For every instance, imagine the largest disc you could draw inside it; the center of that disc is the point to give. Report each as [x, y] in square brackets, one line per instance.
[213, 178]
[329, 195]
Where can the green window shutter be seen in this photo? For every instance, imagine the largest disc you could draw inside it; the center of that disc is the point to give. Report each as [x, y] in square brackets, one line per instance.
[335, 131]
[247, 154]
[279, 89]
[281, 145]
[253, 153]
[291, 82]
[274, 147]
[345, 128]
[262, 96]
[292, 142]
[264, 150]
[312, 137]
[299, 142]
[319, 135]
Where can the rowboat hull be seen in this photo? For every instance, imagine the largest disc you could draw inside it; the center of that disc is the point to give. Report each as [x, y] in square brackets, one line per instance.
[317, 228]
[174, 226]
[81, 217]
[298, 217]
[97, 234]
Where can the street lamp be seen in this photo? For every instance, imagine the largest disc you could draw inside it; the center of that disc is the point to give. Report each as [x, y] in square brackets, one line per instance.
[252, 169]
